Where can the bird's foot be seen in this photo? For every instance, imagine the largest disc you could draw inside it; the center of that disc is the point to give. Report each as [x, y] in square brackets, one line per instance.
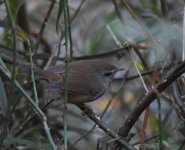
[87, 110]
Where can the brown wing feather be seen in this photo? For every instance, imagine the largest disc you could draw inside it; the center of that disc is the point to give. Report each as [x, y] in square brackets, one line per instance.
[80, 82]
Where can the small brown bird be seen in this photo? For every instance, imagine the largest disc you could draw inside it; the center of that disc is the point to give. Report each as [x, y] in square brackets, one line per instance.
[87, 80]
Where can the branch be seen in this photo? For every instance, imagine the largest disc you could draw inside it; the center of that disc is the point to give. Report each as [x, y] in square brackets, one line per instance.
[149, 98]
[104, 127]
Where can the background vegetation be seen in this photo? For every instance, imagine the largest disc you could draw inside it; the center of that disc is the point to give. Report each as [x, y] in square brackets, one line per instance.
[143, 109]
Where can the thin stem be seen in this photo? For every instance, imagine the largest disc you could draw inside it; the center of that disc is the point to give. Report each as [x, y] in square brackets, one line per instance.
[69, 32]
[35, 107]
[68, 46]
[12, 25]
[32, 72]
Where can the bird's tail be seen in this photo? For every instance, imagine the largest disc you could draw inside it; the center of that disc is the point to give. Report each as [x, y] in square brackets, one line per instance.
[39, 74]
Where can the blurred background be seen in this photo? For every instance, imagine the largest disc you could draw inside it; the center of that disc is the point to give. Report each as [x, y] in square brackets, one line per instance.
[101, 29]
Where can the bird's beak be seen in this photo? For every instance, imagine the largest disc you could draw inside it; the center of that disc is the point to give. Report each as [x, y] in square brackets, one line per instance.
[118, 72]
[118, 69]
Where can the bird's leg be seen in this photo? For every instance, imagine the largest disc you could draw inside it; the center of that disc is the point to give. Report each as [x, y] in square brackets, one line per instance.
[87, 110]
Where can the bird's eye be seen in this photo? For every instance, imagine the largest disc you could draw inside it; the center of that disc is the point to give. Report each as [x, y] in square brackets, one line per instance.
[108, 74]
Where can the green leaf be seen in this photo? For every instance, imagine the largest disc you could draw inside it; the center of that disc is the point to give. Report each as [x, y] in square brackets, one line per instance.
[3, 99]
[60, 10]
[154, 2]
[14, 6]
[94, 46]
[143, 3]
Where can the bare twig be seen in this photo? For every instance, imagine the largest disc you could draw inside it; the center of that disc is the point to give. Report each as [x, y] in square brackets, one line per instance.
[77, 11]
[44, 24]
[149, 98]
[117, 9]
[164, 9]
[104, 127]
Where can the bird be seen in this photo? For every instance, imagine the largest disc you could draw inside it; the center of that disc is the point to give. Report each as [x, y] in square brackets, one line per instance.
[87, 80]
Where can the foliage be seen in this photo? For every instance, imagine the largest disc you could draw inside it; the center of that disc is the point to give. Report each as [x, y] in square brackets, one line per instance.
[144, 37]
